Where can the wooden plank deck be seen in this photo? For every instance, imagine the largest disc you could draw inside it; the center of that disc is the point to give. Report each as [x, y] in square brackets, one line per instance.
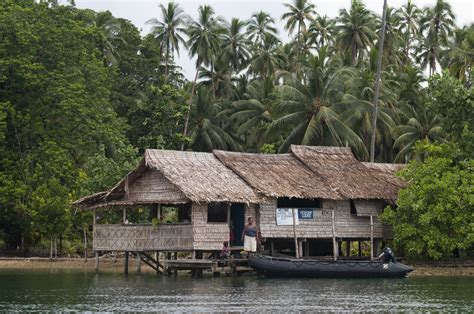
[227, 267]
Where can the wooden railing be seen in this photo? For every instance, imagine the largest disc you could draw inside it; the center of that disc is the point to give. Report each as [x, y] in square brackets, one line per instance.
[163, 237]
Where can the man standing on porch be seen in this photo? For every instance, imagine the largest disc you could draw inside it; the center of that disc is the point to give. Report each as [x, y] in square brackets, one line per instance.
[249, 236]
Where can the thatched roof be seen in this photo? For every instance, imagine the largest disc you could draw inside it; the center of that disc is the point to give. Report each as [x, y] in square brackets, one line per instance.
[201, 176]
[280, 175]
[385, 167]
[174, 177]
[349, 176]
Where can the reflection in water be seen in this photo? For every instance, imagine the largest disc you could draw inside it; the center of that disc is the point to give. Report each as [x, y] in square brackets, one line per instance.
[78, 291]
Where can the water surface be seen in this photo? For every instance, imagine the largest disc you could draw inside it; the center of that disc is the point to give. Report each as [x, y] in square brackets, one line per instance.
[60, 290]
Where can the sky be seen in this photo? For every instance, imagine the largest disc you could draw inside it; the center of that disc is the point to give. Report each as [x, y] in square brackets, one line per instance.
[140, 11]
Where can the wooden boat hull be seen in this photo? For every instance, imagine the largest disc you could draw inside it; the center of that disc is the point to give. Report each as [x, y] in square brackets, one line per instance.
[287, 267]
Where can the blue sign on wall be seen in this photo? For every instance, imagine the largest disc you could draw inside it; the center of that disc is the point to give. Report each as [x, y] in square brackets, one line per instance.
[305, 213]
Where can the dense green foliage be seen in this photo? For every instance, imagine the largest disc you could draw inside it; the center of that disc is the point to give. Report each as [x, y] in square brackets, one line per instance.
[435, 216]
[435, 213]
[82, 94]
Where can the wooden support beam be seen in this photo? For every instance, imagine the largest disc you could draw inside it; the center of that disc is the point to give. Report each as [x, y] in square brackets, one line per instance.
[306, 248]
[126, 188]
[371, 238]
[96, 268]
[272, 248]
[359, 248]
[300, 248]
[124, 215]
[348, 248]
[175, 258]
[334, 243]
[125, 268]
[297, 253]
[139, 263]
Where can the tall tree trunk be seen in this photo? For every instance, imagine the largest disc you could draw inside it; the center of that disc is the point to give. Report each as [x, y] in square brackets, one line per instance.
[354, 55]
[298, 52]
[60, 244]
[51, 249]
[377, 83]
[166, 61]
[186, 121]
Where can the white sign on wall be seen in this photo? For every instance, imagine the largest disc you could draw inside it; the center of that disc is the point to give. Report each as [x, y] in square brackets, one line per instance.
[284, 217]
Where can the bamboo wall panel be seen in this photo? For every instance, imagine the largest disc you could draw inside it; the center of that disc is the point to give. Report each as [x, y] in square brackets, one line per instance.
[172, 237]
[153, 186]
[347, 225]
[365, 208]
[207, 236]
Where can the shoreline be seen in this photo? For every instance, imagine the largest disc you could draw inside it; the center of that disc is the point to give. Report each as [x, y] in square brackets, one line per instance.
[109, 264]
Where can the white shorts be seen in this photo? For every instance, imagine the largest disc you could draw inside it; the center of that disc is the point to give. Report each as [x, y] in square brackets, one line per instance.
[250, 244]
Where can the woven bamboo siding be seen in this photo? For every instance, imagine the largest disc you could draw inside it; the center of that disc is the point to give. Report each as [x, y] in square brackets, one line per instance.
[143, 238]
[153, 186]
[207, 236]
[347, 225]
[365, 208]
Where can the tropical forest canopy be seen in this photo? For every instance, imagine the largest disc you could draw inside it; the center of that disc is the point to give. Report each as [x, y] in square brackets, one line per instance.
[83, 94]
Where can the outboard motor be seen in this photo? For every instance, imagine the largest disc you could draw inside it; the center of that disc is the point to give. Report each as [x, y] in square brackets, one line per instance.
[387, 255]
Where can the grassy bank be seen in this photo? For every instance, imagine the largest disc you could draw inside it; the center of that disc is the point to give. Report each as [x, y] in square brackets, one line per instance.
[109, 264]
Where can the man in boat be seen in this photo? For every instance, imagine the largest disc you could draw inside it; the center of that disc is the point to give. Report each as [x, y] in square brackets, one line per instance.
[249, 236]
[387, 255]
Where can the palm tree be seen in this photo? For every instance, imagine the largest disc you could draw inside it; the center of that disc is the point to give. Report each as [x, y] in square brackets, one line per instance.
[409, 18]
[219, 81]
[392, 37]
[169, 32]
[206, 132]
[253, 115]
[299, 12]
[460, 56]
[260, 27]
[109, 29]
[322, 30]
[378, 81]
[266, 60]
[205, 36]
[356, 30]
[437, 25]
[421, 124]
[306, 109]
[235, 49]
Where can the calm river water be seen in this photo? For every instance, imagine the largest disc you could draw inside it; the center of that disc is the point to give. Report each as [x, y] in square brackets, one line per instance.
[85, 291]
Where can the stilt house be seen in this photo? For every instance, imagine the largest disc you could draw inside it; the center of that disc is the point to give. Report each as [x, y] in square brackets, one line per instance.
[307, 201]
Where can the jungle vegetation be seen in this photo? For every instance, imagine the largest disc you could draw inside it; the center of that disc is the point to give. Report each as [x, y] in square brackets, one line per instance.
[84, 93]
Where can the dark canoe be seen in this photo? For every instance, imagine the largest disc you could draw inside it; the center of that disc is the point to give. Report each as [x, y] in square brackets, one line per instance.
[288, 267]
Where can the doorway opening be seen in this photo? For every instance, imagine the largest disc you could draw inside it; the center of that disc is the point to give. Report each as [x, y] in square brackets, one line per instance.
[237, 223]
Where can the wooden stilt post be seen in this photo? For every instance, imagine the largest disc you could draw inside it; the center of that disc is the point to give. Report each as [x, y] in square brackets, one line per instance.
[139, 263]
[297, 253]
[300, 248]
[96, 261]
[334, 243]
[359, 248]
[376, 248]
[348, 248]
[157, 262]
[175, 258]
[371, 238]
[272, 248]
[125, 268]
[168, 257]
[306, 248]
[124, 215]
